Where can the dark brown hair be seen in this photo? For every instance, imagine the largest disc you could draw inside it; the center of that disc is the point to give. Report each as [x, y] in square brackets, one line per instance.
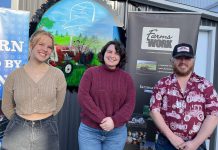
[120, 49]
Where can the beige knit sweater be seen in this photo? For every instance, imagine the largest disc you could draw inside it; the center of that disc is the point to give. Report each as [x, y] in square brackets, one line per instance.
[24, 96]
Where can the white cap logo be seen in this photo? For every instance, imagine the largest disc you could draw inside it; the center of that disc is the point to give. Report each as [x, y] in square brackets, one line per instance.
[183, 49]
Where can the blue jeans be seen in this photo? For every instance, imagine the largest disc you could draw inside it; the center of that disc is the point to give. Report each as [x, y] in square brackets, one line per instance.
[164, 144]
[96, 139]
[22, 134]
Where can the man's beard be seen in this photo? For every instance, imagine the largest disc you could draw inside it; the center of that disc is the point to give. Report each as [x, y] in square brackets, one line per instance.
[179, 73]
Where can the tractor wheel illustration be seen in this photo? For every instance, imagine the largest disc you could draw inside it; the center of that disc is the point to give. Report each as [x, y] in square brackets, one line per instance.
[67, 68]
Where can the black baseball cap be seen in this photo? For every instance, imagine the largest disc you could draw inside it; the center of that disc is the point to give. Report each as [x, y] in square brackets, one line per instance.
[183, 49]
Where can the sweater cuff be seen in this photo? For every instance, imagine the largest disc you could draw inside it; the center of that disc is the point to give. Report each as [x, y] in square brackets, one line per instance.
[116, 121]
[100, 118]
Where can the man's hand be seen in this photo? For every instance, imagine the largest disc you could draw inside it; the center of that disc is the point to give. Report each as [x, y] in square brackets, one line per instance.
[176, 141]
[189, 145]
[107, 124]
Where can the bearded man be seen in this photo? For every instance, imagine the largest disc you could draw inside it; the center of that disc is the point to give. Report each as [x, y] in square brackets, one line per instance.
[184, 106]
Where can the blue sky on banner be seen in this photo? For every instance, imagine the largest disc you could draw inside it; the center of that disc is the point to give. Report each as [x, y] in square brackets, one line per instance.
[5, 3]
[14, 36]
[76, 17]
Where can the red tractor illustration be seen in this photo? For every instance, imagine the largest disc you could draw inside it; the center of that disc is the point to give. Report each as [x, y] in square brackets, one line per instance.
[73, 61]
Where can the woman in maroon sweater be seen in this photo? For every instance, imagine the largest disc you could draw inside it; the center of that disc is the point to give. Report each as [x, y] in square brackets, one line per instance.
[107, 98]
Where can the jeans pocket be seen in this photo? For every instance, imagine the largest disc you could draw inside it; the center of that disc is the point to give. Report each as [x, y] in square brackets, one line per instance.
[163, 143]
[54, 127]
[9, 127]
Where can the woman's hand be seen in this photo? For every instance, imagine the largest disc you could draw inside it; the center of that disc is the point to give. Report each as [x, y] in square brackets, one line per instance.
[107, 124]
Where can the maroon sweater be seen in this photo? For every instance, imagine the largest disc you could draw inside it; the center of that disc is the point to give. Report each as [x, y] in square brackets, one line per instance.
[106, 93]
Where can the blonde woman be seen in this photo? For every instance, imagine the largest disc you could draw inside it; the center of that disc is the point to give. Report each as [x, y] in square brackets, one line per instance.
[32, 95]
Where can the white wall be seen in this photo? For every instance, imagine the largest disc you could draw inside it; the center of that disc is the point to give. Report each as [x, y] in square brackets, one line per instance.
[204, 63]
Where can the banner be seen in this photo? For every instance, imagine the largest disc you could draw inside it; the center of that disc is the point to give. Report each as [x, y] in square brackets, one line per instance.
[80, 30]
[14, 35]
[150, 41]
[5, 3]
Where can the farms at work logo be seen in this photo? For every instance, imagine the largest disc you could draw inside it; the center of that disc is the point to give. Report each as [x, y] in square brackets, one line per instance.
[154, 38]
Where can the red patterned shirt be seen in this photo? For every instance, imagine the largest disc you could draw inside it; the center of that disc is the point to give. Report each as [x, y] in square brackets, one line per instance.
[185, 112]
